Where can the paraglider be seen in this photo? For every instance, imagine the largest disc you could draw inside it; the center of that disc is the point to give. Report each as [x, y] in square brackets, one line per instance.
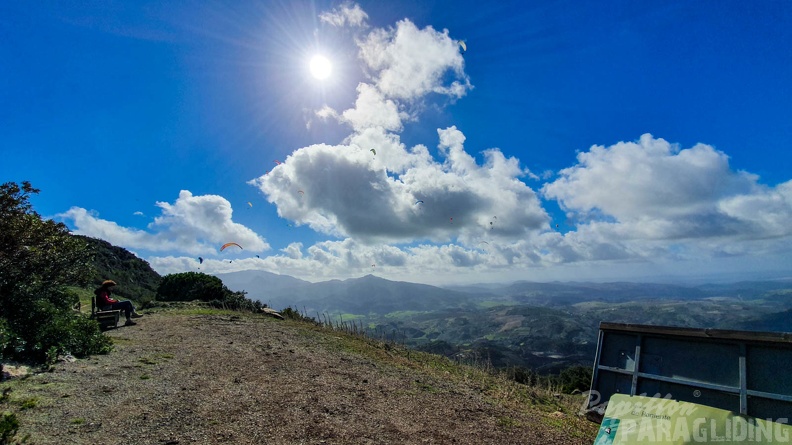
[229, 244]
[258, 256]
[277, 162]
[373, 151]
[300, 192]
[250, 204]
[462, 45]
[200, 260]
[419, 202]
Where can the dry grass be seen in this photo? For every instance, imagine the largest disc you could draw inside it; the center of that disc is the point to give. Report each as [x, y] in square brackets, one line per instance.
[211, 377]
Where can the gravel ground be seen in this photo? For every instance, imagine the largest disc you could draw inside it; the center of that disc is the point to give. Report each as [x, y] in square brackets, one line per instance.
[216, 379]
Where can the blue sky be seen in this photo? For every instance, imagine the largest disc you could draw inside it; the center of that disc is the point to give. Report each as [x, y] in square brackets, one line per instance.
[570, 141]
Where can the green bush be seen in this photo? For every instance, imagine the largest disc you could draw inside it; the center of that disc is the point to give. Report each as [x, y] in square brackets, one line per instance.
[9, 425]
[38, 260]
[189, 286]
[294, 314]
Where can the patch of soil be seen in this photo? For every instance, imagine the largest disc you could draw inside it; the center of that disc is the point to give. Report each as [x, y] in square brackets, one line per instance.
[217, 379]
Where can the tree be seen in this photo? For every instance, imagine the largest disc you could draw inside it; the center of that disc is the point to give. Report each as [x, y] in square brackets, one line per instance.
[38, 258]
[188, 286]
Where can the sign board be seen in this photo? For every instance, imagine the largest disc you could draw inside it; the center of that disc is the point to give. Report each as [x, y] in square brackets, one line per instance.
[633, 420]
[739, 371]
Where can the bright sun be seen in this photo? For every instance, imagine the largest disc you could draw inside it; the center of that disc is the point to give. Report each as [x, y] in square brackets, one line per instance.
[321, 67]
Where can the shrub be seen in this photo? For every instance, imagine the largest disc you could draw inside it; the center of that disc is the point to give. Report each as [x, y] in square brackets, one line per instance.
[294, 314]
[9, 424]
[38, 259]
[190, 286]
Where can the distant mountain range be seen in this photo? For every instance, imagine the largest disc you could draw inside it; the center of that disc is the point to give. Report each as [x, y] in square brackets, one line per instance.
[364, 295]
[371, 294]
[546, 326]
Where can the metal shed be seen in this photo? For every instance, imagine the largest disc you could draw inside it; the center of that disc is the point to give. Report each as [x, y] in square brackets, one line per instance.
[741, 371]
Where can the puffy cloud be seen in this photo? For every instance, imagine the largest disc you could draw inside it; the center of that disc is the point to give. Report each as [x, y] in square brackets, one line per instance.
[193, 224]
[348, 191]
[367, 187]
[765, 213]
[348, 13]
[409, 63]
[641, 206]
[648, 178]
[373, 110]
[650, 199]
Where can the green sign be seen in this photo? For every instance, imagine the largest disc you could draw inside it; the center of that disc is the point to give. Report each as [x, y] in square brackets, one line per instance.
[639, 420]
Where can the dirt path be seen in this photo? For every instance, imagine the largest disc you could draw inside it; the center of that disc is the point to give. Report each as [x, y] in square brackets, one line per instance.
[212, 379]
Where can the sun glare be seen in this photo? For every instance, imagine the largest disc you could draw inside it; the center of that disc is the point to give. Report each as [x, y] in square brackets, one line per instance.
[321, 67]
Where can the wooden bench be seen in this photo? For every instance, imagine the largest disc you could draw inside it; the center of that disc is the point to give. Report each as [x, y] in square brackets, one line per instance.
[106, 319]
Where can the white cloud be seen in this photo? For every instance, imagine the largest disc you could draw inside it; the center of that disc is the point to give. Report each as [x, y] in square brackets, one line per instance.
[372, 110]
[193, 224]
[650, 199]
[634, 207]
[648, 178]
[408, 62]
[347, 191]
[367, 187]
[347, 13]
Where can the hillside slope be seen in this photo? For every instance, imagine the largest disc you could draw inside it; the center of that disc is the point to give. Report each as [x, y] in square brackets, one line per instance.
[179, 378]
[136, 278]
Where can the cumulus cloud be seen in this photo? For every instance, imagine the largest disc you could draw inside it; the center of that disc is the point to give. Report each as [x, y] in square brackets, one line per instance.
[651, 199]
[648, 178]
[631, 204]
[369, 187]
[347, 190]
[346, 14]
[407, 62]
[193, 224]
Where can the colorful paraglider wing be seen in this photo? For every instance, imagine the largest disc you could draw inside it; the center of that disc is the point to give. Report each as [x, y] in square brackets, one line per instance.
[278, 162]
[229, 244]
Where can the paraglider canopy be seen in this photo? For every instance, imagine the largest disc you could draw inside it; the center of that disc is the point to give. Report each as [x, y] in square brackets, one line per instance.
[229, 244]
[200, 260]
[463, 46]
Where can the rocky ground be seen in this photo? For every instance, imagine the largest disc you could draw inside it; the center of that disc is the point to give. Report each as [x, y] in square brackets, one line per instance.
[180, 378]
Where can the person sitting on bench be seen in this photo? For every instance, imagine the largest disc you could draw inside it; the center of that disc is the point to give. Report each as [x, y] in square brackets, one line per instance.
[106, 303]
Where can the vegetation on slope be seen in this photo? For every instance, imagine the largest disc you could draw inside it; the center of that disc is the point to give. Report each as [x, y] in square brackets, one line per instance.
[38, 260]
[137, 280]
